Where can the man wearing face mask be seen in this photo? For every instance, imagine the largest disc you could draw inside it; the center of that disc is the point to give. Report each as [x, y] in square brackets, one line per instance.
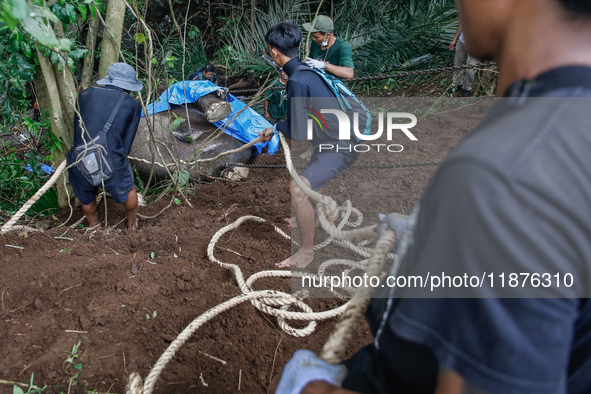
[327, 51]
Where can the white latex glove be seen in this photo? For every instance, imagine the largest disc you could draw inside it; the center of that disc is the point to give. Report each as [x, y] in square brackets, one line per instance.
[314, 63]
[305, 367]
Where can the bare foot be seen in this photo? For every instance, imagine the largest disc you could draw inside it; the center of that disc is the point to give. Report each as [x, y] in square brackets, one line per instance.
[301, 259]
[132, 225]
[293, 223]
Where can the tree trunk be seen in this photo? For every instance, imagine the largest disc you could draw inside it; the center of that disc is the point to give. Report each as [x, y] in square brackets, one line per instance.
[67, 90]
[64, 189]
[41, 93]
[48, 99]
[60, 130]
[91, 36]
[112, 35]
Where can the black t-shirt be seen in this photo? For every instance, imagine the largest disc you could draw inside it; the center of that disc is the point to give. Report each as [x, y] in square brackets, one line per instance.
[96, 104]
[515, 195]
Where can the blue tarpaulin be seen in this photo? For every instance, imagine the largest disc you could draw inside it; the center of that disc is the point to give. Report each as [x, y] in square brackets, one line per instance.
[46, 169]
[245, 127]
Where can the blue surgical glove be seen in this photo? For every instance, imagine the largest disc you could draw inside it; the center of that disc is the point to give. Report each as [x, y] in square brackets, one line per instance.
[305, 367]
[394, 221]
[315, 63]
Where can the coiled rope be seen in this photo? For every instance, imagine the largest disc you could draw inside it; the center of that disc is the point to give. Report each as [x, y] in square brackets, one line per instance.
[277, 303]
[268, 301]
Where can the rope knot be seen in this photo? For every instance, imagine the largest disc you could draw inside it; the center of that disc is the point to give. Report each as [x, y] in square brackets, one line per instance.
[135, 384]
[332, 210]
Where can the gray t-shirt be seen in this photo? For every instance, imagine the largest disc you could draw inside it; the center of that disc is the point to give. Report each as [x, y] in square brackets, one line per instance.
[514, 196]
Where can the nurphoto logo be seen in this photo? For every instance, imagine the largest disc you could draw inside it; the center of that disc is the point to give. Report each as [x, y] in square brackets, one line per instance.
[344, 121]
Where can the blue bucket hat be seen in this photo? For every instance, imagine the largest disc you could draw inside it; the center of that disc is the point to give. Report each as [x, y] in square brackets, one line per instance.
[123, 76]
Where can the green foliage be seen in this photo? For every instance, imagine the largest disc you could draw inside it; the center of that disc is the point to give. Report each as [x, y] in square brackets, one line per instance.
[245, 43]
[41, 133]
[385, 36]
[72, 356]
[17, 184]
[177, 122]
[182, 178]
[171, 55]
[17, 68]
[33, 19]
[17, 390]
[22, 25]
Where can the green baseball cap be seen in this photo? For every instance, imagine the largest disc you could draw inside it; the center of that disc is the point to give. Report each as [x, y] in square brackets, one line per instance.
[321, 23]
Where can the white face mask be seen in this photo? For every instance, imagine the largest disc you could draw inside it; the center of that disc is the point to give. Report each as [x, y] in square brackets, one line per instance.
[325, 42]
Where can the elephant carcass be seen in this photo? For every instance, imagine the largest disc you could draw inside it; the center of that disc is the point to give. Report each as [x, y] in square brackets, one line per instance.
[200, 144]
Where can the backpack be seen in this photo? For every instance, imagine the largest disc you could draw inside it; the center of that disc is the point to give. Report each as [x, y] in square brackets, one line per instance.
[94, 158]
[347, 100]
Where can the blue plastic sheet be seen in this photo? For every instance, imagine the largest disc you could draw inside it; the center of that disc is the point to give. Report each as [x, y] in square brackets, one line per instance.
[244, 127]
[46, 169]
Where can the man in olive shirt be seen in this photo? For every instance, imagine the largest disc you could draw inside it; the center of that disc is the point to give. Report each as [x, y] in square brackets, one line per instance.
[276, 99]
[327, 51]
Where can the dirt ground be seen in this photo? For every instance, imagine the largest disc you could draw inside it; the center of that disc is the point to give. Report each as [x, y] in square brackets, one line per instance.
[82, 288]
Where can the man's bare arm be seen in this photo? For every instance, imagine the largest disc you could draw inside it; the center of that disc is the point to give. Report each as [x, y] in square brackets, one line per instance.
[340, 71]
[450, 382]
[322, 387]
[452, 45]
[266, 104]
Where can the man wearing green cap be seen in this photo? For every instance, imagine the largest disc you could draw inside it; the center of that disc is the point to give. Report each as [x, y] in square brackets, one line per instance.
[327, 51]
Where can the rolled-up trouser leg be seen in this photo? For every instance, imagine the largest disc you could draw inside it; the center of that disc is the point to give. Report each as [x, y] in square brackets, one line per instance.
[461, 56]
[470, 73]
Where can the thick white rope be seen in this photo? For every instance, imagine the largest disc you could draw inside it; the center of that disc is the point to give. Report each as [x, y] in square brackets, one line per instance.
[275, 303]
[336, 345]
[267, 301]
[6, 227]
[327, 207]
[21, 229]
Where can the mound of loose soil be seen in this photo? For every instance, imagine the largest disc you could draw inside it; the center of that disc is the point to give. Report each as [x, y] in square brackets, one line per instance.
[84, 287]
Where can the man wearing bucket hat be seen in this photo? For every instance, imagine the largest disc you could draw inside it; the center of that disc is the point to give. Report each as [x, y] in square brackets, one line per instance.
[327, 51]
[97, 105]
